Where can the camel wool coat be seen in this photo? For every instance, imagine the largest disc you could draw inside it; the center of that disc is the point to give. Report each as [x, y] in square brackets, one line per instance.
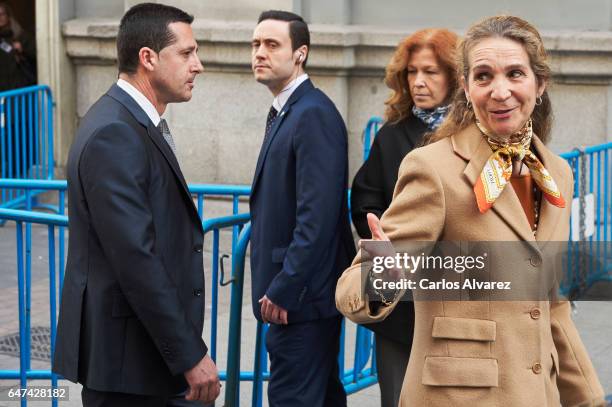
[484, 352]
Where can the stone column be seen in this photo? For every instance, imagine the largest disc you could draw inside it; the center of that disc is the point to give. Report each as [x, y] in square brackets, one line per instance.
[56, 69]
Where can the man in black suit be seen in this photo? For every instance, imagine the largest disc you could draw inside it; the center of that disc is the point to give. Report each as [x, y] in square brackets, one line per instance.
[300, 238]
[132, 310]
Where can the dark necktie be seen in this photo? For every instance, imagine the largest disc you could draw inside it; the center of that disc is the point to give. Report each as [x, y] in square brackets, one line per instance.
[165, 131]
[269, 121]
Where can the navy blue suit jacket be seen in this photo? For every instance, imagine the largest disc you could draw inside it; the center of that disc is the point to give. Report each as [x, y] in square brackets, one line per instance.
[132, 308]
[301, 239]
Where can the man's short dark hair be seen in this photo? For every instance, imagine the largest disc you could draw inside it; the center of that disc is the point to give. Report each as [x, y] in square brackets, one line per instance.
[298, 29]
[146, 25]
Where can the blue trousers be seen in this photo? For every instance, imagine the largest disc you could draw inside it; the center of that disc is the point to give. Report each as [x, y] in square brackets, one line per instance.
[304, 364]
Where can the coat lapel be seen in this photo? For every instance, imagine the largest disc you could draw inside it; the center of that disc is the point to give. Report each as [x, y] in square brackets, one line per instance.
[126, 100]
[267, 141]
[164, 148]
[295, 96]
[470, 145]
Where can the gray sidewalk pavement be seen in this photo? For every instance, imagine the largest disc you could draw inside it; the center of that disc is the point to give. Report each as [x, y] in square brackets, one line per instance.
[592, 319]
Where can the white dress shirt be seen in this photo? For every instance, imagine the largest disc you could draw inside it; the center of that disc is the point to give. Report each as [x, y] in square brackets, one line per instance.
[144, 103]
[284, 95]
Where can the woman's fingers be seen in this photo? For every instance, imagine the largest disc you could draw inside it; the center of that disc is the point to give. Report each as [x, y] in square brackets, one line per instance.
[376, 228]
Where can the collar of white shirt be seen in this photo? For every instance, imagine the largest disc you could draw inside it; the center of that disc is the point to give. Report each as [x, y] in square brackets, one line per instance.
[144, 103]
[284, 95]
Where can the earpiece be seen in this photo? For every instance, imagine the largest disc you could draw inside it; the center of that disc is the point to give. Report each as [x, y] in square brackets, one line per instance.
[300, 58]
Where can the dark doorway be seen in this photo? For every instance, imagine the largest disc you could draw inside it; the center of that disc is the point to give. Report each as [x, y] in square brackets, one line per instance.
[25, 14]
[17, 44]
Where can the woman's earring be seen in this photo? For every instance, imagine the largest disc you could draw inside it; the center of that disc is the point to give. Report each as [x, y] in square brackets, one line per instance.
[539, 101]
[468, 104]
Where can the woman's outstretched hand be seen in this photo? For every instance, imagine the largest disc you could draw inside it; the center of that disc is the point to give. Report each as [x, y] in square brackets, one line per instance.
[376, 228]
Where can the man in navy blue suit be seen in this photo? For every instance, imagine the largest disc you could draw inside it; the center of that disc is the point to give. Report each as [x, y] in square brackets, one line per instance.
[132, 310]
[301, 239]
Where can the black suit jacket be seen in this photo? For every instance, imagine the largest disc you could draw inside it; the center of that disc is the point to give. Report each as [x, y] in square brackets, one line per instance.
[301, 238]
[372, 192]
[132, 309]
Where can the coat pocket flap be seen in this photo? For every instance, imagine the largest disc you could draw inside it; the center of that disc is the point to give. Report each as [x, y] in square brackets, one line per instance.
[466, 372]
[464, 328]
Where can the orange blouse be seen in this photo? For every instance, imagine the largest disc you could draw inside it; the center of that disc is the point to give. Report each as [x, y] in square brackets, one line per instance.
[523, 186]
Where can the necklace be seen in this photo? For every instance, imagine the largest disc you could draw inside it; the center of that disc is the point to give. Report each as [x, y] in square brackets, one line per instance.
[536, 208]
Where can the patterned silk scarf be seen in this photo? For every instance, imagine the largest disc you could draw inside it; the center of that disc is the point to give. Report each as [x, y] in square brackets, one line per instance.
[498, 169]
[433, 118]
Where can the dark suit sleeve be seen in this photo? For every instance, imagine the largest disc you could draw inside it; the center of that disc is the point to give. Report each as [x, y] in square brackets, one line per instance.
[114, 171]
[320, 148]
[367, 193]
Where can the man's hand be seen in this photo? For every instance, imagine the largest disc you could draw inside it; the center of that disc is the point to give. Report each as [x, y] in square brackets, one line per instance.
[203, 380]
[271, 312]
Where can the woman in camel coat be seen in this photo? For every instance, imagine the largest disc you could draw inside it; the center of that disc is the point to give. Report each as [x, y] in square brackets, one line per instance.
[487, 176]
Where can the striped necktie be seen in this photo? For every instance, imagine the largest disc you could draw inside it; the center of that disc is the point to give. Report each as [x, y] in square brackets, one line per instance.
[165, 131]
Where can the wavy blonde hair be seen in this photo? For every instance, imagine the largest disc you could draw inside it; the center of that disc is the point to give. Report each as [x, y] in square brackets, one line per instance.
[515, 29]
[443, 43]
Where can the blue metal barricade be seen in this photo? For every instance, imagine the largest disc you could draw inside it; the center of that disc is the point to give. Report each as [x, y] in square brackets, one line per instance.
[26, 140]
[27, 218]
[590, 258]
[369, 133]
[24, 281]
[355, 378]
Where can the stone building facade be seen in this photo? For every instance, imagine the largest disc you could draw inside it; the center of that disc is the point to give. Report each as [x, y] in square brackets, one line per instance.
[219, 132]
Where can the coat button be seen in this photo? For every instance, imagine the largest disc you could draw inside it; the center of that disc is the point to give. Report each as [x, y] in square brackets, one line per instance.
[197, 292]
[197, 248]
[537, 368]
[535, 261]
[535, 313]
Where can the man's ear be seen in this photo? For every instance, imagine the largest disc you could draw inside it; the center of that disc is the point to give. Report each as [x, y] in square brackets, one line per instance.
[148, 58]
[303, 50]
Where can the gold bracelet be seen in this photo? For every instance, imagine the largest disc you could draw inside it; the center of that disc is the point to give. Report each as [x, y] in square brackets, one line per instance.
[383, 299]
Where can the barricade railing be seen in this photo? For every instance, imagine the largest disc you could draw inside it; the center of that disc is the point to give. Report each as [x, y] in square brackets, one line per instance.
[355, 378]
[26, 139]
[591, 219]
[199, 191]
[24, 292]
[369, 133]
[30, 188]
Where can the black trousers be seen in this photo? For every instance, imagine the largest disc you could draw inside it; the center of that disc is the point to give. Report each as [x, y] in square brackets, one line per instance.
[304, 364]
[391, 362]
[94, 398]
